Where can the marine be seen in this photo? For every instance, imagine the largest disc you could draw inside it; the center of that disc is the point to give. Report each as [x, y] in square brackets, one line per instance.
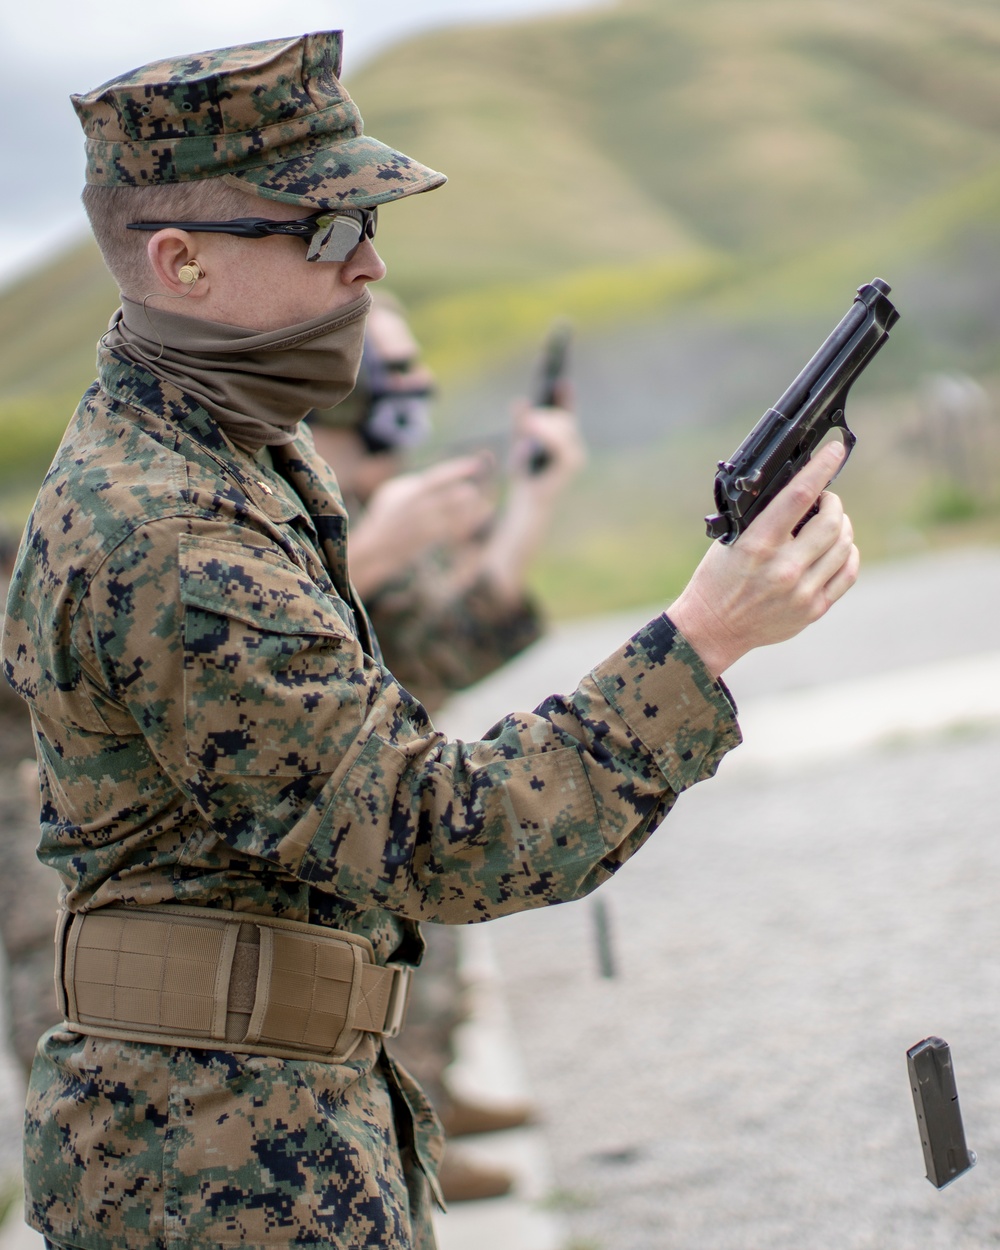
[249, 815]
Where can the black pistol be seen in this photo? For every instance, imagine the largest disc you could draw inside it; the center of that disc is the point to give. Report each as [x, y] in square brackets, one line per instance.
[550, 377]
[786, 435]
[939, 1117]
[553, 365]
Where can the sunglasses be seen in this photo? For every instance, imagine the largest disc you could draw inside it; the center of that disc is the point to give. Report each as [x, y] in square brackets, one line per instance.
[330, 235]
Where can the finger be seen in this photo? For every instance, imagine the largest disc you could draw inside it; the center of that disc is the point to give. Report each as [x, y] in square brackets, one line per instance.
[832, 559]
[548, 425]
[823, 528]
[435, 507]
[519, 411]
[564, 394]
[466, 524]
[556, 419]
[845, 577]
[554, 432]
[464, 493]
[455, 504]
[791, 503]
[453, 518]
[460, 468]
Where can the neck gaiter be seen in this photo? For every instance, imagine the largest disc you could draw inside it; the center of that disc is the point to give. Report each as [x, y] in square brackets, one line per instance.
[258, 384]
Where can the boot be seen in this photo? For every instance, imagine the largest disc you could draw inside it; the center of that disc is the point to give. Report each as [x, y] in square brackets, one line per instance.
[461, 1117]
[465, 1180]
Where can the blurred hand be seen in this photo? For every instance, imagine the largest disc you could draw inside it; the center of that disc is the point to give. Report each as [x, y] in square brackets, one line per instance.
[554, 432]
[770, 584]
[531, 495]
[415, 512]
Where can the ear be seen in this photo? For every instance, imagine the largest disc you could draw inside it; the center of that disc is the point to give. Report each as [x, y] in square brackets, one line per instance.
[173, 259]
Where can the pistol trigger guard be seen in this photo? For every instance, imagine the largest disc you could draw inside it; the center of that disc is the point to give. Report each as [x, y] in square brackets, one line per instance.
[849, 440]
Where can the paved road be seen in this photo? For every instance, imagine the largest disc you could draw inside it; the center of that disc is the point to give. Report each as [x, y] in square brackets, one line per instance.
[824, 903]
[742, 1083]
[899, 616]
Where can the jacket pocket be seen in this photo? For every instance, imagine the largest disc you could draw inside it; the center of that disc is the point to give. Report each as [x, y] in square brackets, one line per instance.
[271, 670]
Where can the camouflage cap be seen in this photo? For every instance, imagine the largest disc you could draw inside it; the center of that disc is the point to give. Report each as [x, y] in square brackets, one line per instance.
[273, 116]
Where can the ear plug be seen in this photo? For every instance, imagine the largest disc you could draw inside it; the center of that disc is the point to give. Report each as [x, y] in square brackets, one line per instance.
[190, 273]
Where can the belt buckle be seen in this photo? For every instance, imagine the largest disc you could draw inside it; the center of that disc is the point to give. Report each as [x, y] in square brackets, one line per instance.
[399, 994]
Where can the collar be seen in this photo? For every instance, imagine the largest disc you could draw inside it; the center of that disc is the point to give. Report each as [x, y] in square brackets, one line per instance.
[130, 384]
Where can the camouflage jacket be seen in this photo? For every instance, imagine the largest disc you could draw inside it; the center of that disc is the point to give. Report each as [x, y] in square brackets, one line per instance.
[215, 727]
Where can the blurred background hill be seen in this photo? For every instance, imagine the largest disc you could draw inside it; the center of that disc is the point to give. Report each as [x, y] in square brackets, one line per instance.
[699, 188]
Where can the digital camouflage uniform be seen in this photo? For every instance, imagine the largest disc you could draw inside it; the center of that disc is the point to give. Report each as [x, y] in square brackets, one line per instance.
[438, 638]
[214, 728]
[27, 889]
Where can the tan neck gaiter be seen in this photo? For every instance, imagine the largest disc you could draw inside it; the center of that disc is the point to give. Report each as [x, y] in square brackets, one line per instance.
[258, 384]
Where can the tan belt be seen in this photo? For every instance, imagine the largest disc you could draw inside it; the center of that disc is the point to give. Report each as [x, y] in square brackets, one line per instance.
[194, 976]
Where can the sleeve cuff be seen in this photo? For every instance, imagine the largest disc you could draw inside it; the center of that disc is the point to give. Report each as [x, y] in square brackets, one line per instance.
[684, 718]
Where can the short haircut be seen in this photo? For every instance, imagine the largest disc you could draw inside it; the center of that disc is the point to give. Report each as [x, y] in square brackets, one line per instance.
[110, 209]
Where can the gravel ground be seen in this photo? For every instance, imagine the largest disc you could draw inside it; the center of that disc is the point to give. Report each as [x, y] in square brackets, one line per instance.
[741, 1083]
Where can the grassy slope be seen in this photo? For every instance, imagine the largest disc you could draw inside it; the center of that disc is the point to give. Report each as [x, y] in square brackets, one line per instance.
[733, 125]
[727, 160]
[654, 134]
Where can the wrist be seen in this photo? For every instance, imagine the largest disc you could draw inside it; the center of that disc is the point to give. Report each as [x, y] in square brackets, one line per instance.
[717, 647]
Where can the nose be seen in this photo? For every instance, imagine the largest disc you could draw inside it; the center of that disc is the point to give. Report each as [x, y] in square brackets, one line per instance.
[365, 265]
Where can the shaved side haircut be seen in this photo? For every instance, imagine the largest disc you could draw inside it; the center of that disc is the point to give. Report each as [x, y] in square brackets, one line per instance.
[110, 209]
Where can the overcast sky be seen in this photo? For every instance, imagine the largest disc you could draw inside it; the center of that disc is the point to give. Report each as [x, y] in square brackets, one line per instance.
[50, 49]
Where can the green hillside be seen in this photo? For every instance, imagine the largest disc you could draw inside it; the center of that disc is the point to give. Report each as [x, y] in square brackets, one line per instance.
[720, 174]
[654, 135]
[648, 129]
